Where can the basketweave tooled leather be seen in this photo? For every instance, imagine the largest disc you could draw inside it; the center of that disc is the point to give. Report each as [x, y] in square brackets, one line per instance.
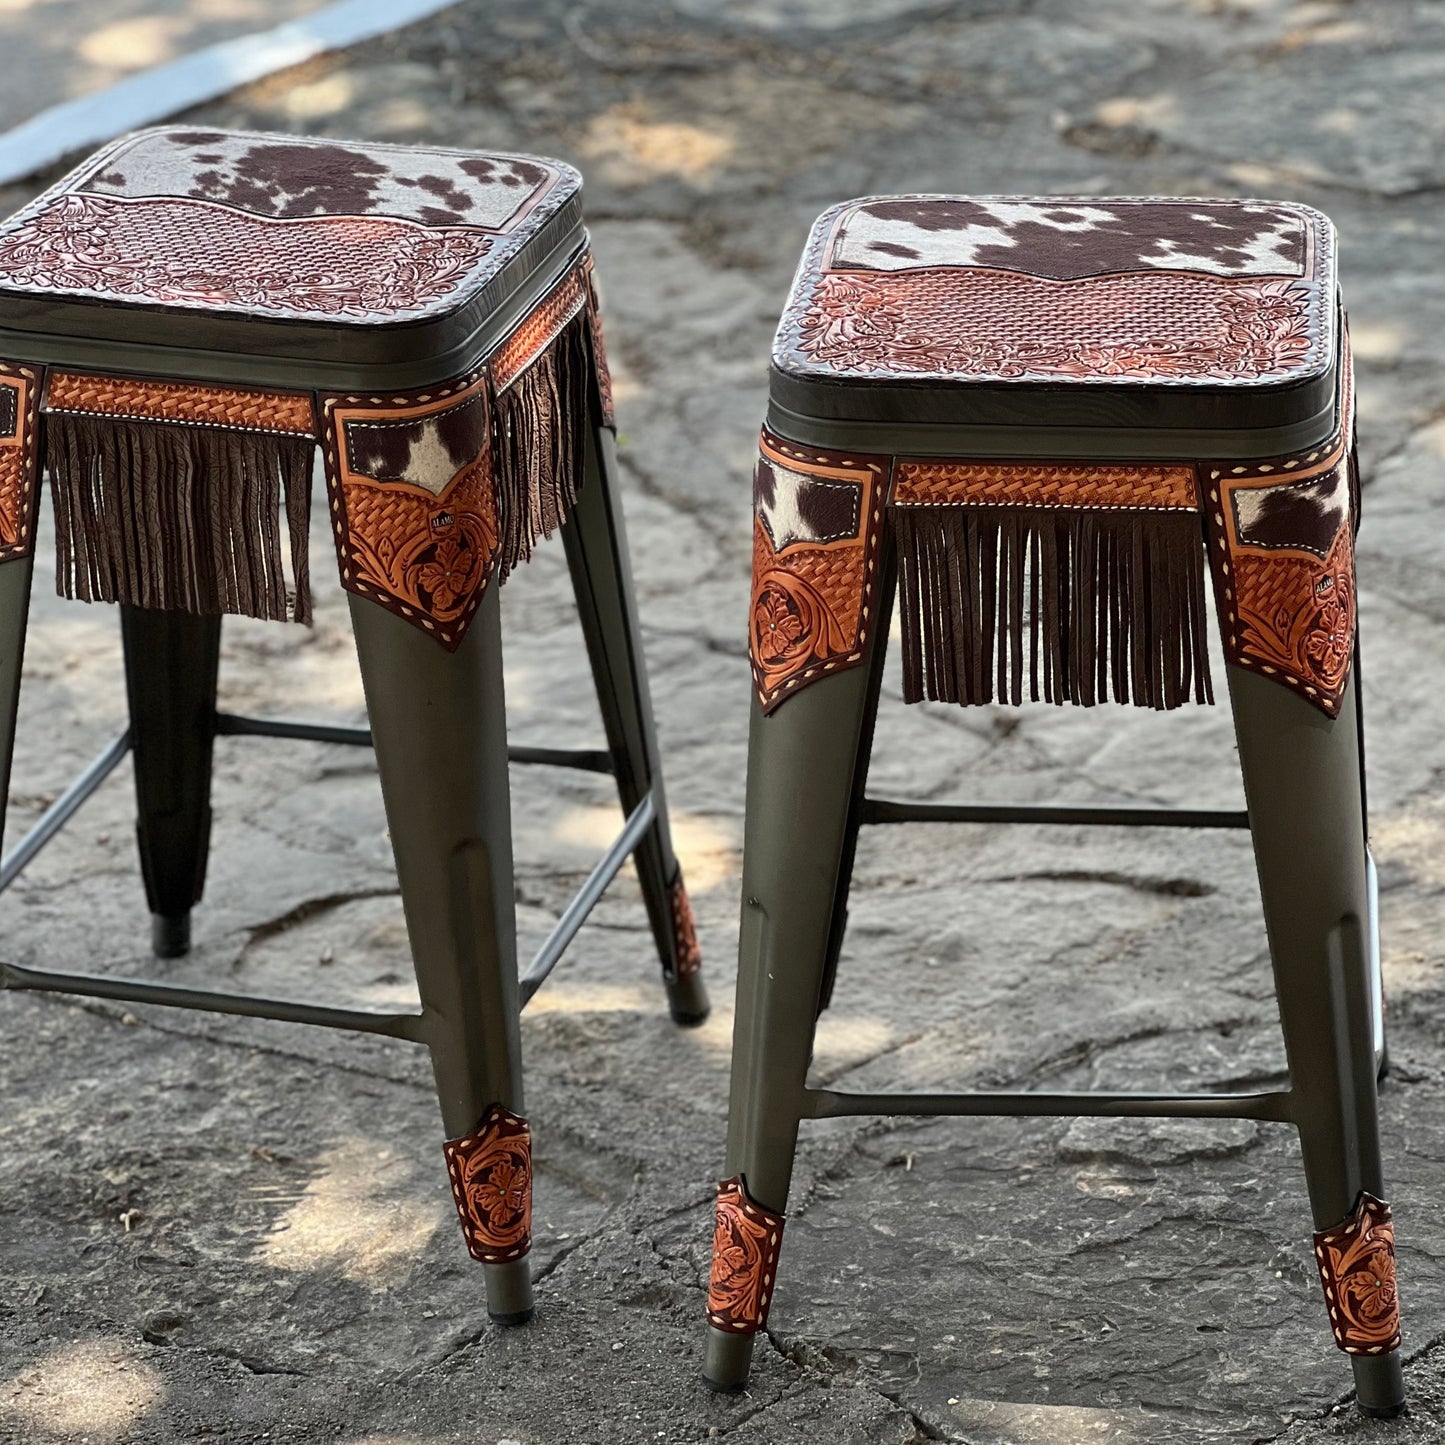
[1097, 290]
[19, 458]
[280, 226]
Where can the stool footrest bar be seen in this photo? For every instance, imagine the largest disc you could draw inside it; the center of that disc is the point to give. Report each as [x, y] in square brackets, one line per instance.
[641, 819]
[60, 812]
[832, 1104]
[133, 990]
[889, 810]
[587, 760]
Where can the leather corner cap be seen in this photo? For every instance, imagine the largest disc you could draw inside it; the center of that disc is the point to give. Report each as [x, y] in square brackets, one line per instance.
[491, 1176]
[1356, 1261]
[817, 532]
[746, 1243]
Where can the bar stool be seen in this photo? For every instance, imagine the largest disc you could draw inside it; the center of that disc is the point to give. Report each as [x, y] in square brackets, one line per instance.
[185, 316]
[1035, 420]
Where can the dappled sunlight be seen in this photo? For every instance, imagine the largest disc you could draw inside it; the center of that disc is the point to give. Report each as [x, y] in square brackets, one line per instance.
[1050, 1424]
[562, 996]
[317, 98]
[356, 1219]
[1415, 841]
[1148, 112]
[631, 147]
[133, 43]
[97, 1390]
[845, 1040]
[704, 846]
[1342, 120]
[1377, 340]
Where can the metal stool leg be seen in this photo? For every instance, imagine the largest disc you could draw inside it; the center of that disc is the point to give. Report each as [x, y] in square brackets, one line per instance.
[171, 662]
[438, 721]
[14, 613]
[596, 545]
[1302, 783]
[802, 765]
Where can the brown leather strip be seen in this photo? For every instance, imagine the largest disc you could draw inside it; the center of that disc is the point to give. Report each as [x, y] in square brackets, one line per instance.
[745, 1249]
[491, 1175]
[933, 483]
[538, 330]
[187, 403]
[1356, 1261]
[19, 458]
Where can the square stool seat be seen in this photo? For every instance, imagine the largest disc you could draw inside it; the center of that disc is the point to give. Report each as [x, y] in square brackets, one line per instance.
[1089, 321]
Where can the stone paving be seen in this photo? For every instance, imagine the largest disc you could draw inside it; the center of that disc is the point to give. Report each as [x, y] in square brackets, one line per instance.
[231, 1230]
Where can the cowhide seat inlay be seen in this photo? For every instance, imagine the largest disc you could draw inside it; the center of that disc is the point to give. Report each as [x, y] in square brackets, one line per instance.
[169, 493]
[1066, 581]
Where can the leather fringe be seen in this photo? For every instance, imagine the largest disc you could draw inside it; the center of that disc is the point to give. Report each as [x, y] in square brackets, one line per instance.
[541, 423]
[180, 517]
[1109, 603]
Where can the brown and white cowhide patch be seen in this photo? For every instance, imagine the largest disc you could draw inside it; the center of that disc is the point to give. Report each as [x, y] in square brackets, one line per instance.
[1064, 239]
[289, 177]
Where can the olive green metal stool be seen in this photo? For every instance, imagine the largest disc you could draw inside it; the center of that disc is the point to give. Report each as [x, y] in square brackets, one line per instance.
[183, 319]
[1041, 424]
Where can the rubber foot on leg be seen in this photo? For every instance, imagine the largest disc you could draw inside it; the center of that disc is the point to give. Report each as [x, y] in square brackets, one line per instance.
[509, 1292]
[1379, 1386]
[170, 935]
[687, 1000]
[728, 1360]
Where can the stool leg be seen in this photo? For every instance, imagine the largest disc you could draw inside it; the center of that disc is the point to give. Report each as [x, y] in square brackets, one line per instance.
[1302, 784]
[171, 662]
[802, 765]
[14, 613]
[438, 721]
[596, 545]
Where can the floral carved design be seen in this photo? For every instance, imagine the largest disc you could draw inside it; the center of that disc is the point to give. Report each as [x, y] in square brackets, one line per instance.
[19, 458]
[1282, 538]
[745, 1249]
[414, 502]
[686, 952]
[813, 602]
[1357, 1269]
[179, 252]
[491, 1175]
[974, 324]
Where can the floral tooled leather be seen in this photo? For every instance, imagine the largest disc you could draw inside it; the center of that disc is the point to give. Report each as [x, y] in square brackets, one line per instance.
[1357, 1269]
[686, 952]
[1284, 576]
[816, 541]
[745, 1247]
[491, 1175]
[1023, 289]
[19, 458]
[414, 502]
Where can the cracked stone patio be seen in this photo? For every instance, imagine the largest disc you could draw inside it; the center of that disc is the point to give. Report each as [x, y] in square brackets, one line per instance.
[233, 1230]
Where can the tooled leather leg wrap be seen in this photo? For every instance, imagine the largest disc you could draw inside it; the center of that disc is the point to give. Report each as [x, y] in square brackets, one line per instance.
[687, 956]
[19, 458]
[491, 1174]
[1356, 1260]
[744, 1260]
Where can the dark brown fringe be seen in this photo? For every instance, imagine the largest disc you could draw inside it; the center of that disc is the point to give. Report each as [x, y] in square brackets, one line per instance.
[1112, 604]
[542, 421]
[185, 518]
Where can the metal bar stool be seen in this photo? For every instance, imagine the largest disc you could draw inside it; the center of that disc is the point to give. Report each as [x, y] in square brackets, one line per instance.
[1035, 420]
[186, 316]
